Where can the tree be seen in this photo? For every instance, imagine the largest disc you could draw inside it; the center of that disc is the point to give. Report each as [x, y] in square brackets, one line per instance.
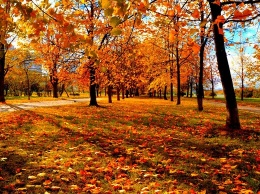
[218, 20]
[9, 30]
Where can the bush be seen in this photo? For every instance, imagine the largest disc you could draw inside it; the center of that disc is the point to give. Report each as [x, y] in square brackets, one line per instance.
[248, 93]
[256, 93]
[212, 94]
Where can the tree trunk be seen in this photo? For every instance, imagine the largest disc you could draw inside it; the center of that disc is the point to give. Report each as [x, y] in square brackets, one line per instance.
[55, 84]
[28, 85]
[232, 120]
[165, 93]
[188, 87]
[123, 92]
[109, 93]
[212, 89]
[212, 83]
[97, 89]
[171, 91]
[118, 93]
[191, 86]
[178, 77]
[2, 72]
[201, 67]
[92, 87]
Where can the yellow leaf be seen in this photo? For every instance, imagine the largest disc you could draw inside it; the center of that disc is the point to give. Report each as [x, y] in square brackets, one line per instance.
[115, 21]
[109, 11]
[116, 31]
[194, 174]
[105, 4]
[203, 23]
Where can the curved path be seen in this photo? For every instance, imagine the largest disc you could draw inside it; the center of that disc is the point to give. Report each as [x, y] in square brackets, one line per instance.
[28, 105]
[240, 107]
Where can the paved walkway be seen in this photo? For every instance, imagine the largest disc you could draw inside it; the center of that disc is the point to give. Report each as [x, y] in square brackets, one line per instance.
[28, 105]
[240, 107]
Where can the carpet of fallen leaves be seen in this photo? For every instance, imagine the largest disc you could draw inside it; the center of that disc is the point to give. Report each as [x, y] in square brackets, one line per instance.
[130, 146]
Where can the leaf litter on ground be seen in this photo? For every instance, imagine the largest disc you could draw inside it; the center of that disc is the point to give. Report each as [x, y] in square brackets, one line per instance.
[131, 146]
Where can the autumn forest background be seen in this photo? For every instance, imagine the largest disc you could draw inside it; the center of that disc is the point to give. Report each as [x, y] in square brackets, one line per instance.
[168, 66]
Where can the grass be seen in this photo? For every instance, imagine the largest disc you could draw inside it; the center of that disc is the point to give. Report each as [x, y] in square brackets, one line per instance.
[35, 98]
[130, 146]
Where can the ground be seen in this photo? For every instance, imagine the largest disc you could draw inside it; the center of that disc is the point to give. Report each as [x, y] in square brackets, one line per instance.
[131, 146]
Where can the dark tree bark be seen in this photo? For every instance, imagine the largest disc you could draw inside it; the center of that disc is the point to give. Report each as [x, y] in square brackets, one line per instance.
[188, 87]
[97, 89]
[191, 86]
[171, 91]
[92, 87]
[165, 93]
[123, 92]
[232, 120]
[2, 72]
[178, 65]
[28, 83]
[109, 93]
[203, 41]
[55, 82]
[178, 77]
[118, 93]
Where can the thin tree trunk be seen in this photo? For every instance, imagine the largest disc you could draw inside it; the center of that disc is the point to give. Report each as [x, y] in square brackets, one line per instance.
[2, 72]
[178, 77]
[212, 89]
[188, 87]
[191, 86]
[203, 42]
[28, 85]
[232, 120]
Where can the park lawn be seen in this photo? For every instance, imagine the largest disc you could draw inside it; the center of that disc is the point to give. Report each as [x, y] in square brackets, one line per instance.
[131, 146]
[35, 98]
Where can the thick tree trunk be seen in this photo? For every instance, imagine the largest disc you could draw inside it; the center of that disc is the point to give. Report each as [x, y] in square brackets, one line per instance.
[165, 93]
[92, 87]
[117, 93]
[201, 68]
[2, 72]
[109, 93]
[55, 84]
[123, 92]
[232, 120]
